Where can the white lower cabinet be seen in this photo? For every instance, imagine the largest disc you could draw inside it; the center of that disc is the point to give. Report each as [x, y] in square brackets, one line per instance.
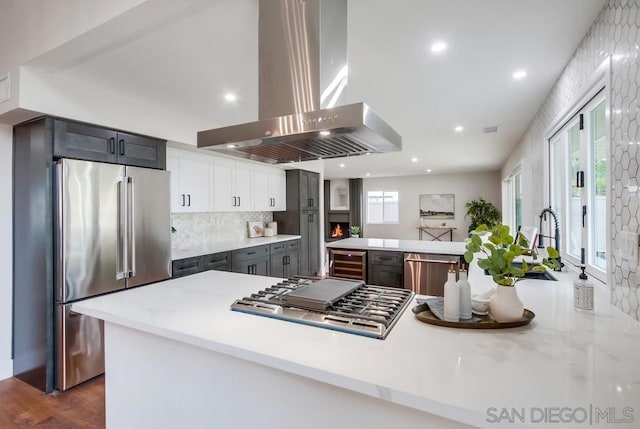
[269, 189]
[190, 182]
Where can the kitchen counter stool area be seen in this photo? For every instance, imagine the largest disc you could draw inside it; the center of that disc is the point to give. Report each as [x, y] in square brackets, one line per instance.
[180, 334]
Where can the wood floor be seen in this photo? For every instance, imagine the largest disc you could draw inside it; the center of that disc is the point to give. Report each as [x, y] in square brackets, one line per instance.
[23, 406]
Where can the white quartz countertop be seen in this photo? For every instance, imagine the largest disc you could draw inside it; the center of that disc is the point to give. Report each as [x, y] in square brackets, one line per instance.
[213, 246]
[418, 246]
[564, 358]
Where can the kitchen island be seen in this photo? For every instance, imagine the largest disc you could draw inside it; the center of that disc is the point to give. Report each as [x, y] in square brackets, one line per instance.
[394, 245]
[176, 356]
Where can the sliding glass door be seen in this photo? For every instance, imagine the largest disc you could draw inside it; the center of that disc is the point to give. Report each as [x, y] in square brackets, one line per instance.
[579, 174]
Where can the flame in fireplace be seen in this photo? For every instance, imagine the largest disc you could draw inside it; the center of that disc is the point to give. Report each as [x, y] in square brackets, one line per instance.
[337, 232]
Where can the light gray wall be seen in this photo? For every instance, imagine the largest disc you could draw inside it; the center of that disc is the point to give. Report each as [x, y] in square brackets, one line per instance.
[615, 33]
[465, 187]
[6, 249]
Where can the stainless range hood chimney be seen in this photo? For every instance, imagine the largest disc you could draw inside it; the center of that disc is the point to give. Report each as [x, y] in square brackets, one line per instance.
[302, 87]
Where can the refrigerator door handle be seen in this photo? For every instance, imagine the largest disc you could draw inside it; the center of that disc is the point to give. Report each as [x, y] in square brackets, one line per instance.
[131, 238]
[59, 189]
[121, 246]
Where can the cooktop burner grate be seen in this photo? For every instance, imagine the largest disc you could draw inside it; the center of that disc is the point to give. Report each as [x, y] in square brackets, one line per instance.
[369, 310]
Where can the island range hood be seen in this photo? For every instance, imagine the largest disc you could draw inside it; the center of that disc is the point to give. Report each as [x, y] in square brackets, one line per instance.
[302, 46]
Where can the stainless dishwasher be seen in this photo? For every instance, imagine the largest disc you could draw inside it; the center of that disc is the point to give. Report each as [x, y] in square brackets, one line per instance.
[426, 273]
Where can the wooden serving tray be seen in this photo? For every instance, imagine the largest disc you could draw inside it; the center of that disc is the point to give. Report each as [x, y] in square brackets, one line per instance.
[425, 315]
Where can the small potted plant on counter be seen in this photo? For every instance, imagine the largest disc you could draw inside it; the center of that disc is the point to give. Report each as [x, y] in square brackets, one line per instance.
[355, 231]
[501, 250]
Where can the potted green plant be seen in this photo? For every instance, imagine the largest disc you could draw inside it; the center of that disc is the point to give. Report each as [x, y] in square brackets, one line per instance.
[355, 231]
[500, 250]
[482, 212]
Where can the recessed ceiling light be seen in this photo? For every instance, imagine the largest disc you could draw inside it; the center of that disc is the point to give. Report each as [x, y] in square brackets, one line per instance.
[368, 153]
[459, 129]
[341, 165]
[428, 170]
[231, 146]
[230, 97]
[520, 74]
[368, 174]
[325, 133]
[414, 159]
[438, 47]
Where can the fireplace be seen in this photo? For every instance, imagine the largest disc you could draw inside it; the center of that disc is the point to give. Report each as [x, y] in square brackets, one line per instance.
[337, 222]
[338, 230]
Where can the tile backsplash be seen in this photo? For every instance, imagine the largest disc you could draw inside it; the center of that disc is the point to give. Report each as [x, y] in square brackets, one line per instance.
[614, 34]
[192, 229]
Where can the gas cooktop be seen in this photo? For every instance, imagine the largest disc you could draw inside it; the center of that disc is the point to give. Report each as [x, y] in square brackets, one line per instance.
[367, 310]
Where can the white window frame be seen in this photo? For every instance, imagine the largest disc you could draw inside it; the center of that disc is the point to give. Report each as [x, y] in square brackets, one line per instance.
[384, 222]
[509, 198]
[599, 82]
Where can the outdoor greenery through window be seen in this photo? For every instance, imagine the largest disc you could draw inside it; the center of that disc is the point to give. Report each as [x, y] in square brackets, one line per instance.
[382, 207]
[581, 146]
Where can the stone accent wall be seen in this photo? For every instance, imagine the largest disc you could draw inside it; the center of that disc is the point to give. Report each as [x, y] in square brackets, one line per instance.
[193, 229]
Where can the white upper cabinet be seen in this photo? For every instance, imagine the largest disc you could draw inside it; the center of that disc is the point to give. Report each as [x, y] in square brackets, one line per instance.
[279, 189]
[269, 189]
[205, 183]
[233, 186]
[190, 181]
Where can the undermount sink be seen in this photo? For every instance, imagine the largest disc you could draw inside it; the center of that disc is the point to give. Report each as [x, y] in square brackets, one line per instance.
[535, 275]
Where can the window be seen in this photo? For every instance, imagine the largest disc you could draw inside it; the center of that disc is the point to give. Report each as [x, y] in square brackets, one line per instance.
[382, 207]
[512, 197]
[579, 175]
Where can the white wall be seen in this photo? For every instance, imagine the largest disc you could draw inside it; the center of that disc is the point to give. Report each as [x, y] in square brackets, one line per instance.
[610, 36]
[465, 187]
[6, 246]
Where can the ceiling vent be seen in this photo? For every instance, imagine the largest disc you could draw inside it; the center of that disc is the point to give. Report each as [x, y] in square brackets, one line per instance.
[490, 130]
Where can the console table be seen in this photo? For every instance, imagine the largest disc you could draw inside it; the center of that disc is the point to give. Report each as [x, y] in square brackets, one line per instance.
[436, 232]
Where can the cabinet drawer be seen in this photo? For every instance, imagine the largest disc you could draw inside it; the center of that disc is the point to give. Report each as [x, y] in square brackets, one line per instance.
[386, 258]
[217, 261]
[293, 244]
[278, 248]
[185, 267]
[250, 253]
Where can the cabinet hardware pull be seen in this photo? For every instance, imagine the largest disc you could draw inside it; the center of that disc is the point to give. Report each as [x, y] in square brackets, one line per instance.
[234, 201]
[182, 195]
[239, 202]
[121, 144]
[188, 200]
[250, 253]
[112, 145]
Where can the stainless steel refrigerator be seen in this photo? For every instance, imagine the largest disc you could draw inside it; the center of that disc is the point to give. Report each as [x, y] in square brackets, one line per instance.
[112, 231]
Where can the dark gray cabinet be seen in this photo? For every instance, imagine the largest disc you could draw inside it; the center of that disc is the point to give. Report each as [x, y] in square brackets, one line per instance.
[215, 261]
[285, 259]
[186, 267]
[385, 268]
[92, 143]
[252, 260]
[309, 242]
[303, 218]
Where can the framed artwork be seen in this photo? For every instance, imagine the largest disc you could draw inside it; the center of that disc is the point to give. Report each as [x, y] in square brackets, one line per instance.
[256, 229]
[438, 206]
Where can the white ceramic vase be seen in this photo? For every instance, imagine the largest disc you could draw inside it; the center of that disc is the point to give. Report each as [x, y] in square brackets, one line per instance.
[505, 305]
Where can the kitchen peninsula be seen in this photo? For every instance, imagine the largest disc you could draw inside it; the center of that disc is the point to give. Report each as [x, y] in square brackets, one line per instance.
[176, 356]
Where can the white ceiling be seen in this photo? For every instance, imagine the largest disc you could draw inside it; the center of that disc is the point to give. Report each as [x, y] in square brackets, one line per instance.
[210, 48]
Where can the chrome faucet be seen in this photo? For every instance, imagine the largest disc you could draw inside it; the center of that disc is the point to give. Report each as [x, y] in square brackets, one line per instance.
[556, 236]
